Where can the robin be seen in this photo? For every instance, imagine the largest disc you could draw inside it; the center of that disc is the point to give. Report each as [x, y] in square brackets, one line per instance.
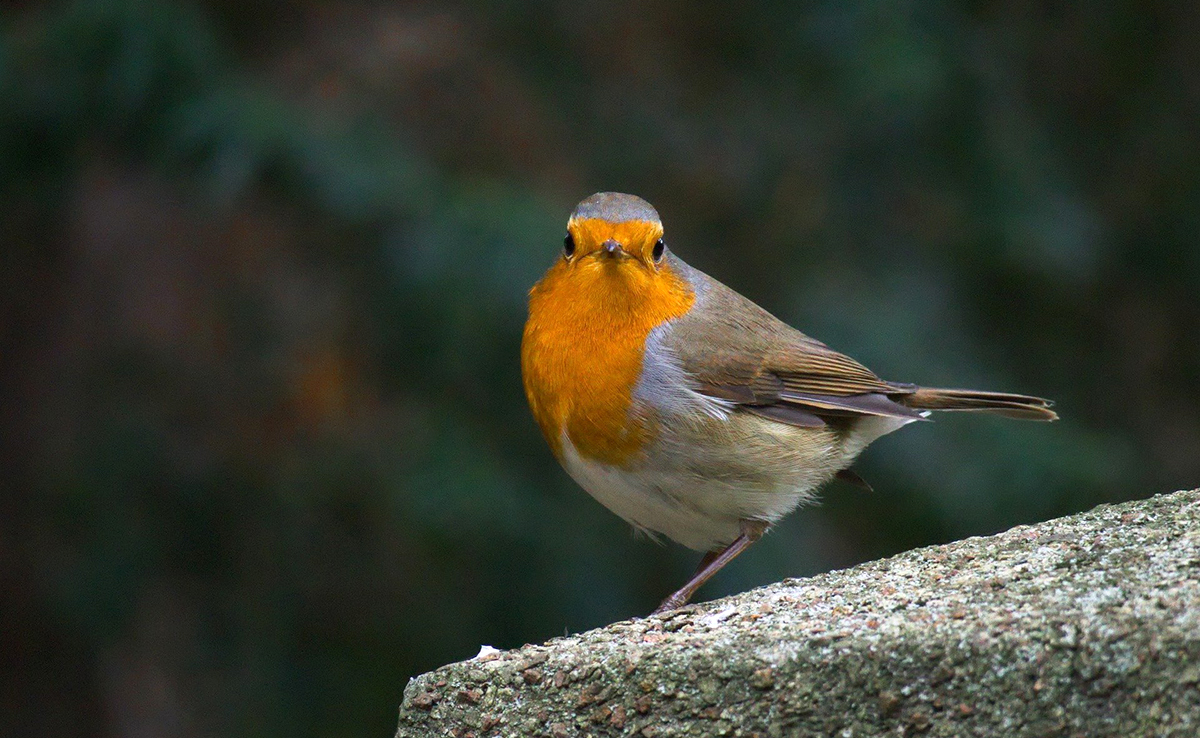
[687, 409]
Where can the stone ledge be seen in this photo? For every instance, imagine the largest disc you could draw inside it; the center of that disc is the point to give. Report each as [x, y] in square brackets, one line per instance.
[1086, 625]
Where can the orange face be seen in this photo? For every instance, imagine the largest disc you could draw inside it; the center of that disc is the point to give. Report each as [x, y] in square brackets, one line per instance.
[588, 321]
[601, 240]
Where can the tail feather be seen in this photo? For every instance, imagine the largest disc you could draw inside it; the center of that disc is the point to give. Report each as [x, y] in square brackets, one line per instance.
[1022, 407]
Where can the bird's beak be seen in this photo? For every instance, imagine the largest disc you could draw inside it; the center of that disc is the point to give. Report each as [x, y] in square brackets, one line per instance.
[611, 247]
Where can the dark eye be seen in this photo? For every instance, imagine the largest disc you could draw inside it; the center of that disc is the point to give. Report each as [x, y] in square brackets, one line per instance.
[659, 249]
[568, 245]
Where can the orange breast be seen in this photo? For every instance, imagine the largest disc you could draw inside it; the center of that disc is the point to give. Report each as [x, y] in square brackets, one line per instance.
[582, 352]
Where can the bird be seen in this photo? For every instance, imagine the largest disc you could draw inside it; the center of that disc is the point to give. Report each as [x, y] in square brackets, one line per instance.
[687, 409]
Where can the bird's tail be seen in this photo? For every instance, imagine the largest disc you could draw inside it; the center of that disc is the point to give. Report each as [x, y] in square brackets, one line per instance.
[1022, 407]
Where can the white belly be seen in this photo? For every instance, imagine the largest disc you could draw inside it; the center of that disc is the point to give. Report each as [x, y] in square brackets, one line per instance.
[699, 511]
[653, 503]
[697, 493]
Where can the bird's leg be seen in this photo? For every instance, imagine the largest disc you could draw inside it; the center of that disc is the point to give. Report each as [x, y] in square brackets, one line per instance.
[712, 562]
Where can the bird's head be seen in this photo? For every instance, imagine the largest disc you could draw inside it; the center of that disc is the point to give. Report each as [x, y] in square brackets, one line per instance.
[616, 235]
[614, 270]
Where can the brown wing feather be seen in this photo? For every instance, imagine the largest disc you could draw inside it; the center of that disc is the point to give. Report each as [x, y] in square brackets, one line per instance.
[737, 351]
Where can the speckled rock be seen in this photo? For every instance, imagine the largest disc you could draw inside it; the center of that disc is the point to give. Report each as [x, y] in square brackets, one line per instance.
[1083, 626]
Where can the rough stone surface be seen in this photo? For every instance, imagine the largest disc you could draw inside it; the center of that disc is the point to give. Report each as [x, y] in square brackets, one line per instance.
[1083, 626]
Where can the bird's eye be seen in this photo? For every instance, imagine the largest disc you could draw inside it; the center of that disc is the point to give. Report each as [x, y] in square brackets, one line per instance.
[659, 249]
[568, 245]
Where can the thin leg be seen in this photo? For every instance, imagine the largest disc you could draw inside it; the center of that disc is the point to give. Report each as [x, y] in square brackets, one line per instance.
[712, 562]
[706, 559]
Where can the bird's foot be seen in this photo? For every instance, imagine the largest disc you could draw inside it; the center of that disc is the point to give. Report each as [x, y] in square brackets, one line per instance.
[674, 602]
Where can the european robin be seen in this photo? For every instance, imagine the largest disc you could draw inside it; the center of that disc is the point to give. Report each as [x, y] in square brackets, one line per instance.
[687, 409]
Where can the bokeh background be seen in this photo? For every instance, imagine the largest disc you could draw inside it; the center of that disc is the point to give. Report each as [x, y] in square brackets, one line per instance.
[263, 274]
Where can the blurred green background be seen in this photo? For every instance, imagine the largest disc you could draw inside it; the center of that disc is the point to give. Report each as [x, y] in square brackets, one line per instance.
[266, 453]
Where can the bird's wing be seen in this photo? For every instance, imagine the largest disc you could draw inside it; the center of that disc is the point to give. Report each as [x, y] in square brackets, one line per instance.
[739, 352]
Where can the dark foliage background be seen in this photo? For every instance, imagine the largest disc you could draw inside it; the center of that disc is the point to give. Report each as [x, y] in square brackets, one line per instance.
[263, 275]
